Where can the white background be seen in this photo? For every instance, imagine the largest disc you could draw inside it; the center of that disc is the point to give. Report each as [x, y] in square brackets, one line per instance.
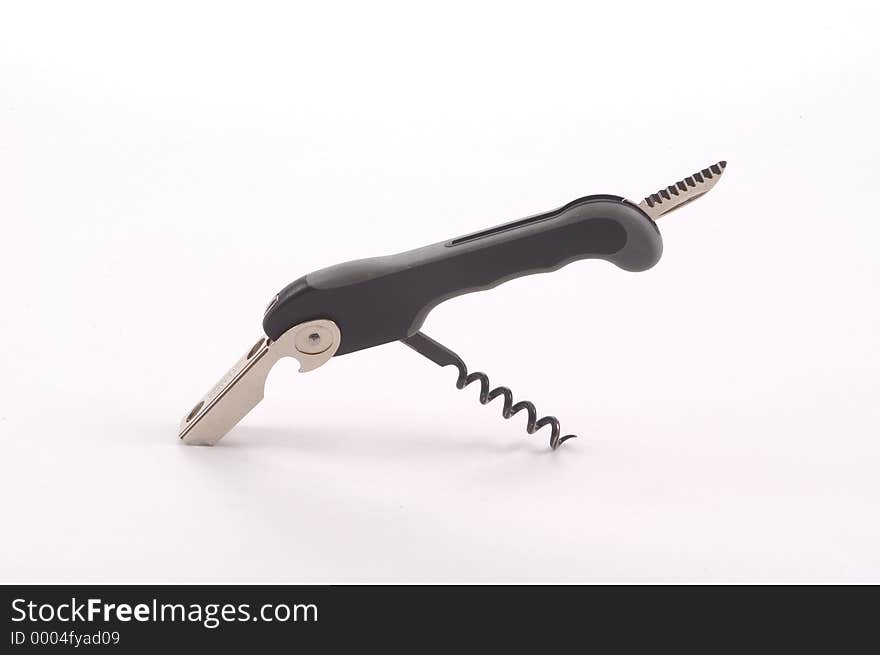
[166, 169]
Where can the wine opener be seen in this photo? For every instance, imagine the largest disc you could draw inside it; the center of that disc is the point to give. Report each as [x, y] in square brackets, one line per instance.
[369, 302]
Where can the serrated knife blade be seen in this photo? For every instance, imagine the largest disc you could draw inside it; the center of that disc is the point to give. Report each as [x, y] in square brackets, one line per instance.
[682, 192]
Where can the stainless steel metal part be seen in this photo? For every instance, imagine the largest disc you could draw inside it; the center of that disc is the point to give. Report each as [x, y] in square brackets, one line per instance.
[682, 192]
[313, 341]
[312, 344]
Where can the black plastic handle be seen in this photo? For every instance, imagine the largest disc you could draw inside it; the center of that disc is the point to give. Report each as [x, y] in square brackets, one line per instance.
[383, 299]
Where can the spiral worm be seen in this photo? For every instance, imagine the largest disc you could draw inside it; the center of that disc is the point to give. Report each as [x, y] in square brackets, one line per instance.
[440, 354]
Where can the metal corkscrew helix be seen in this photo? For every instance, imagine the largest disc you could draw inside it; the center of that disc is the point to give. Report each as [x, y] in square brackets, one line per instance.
[443, 356]
[369, 302]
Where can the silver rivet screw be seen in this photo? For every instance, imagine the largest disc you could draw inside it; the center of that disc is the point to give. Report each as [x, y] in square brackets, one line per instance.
[313, 340]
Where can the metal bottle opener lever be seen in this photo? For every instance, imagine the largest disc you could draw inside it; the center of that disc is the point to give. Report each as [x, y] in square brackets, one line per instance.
[368, 302]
